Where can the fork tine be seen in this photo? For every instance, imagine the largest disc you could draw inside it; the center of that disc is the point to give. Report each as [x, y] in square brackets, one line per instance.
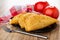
[6, 29]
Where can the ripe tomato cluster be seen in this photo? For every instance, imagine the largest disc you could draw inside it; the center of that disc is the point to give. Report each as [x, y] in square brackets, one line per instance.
[46, 9]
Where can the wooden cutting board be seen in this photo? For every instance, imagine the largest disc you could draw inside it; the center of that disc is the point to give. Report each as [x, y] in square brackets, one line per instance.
[53, 35]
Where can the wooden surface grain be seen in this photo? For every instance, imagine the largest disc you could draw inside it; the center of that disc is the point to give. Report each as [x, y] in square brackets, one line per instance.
[53, 35]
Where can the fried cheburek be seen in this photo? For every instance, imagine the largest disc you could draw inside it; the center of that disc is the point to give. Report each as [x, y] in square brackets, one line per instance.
[32, 21]
[38, 22]
[22, 19]
[15, 19]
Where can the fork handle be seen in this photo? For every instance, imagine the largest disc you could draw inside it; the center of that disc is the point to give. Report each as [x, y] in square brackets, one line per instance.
[40, 36]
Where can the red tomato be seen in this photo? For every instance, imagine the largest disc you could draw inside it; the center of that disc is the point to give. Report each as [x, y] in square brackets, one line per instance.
[13, 11]
[51, 11]
[39, 6]
[30, 8]
[1, 19]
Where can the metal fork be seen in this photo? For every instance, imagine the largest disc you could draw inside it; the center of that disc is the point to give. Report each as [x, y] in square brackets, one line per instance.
[9, 30]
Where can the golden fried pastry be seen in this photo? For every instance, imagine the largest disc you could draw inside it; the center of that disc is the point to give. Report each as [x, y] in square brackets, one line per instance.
[32, 21]
[22, 19]
[14, 20]
[38, 22]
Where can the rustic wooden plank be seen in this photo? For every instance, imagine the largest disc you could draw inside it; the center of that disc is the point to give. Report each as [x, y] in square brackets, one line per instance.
[53, 35]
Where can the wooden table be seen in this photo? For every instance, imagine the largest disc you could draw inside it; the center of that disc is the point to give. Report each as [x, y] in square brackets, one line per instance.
[53, 35]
